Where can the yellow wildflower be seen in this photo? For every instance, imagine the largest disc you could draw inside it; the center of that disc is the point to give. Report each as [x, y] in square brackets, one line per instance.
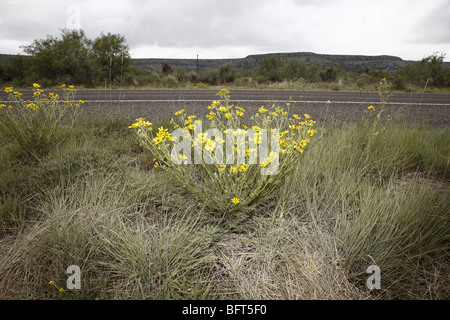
[371, 108]
[214, 104]
[210, 145]
[235, 200]
[9, 89]
[179, 112]
[228, 115]
[242, 168]
[222, 92]
[257, 139]
[303, 143]
[36, 85]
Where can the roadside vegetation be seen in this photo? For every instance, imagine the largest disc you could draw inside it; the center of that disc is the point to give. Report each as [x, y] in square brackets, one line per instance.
[104, 62]
[93, 195]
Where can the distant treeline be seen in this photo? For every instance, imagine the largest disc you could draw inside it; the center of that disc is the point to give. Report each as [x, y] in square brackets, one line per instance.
[105, 62]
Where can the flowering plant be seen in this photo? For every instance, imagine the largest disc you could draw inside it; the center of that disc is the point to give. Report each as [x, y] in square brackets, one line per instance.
[229, 181]
[34, 125]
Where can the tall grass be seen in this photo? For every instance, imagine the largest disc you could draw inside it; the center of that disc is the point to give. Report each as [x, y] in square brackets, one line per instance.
[353, 200]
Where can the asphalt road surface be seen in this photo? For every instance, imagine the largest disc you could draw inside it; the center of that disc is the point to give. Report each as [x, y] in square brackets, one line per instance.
[342, 106]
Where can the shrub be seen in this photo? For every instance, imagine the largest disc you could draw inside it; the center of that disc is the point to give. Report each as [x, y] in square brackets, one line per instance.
[231, 183]
[170, 81]
[35, 126]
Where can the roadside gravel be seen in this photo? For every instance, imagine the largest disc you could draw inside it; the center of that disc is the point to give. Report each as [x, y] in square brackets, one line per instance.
[435, 115]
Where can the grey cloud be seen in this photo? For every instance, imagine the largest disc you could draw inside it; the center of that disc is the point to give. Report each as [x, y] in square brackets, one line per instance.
[252, 25]
[434, 28]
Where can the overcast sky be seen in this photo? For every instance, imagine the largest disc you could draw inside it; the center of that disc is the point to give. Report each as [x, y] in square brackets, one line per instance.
[410, 29]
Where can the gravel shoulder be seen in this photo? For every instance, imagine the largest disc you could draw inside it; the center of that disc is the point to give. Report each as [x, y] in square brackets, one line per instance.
[433, 115]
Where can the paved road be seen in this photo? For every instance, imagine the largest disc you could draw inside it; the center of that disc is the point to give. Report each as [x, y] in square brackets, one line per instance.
[251, 96]
[343, 106]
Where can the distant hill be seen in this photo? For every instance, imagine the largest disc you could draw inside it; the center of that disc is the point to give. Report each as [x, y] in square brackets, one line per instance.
[349, 63]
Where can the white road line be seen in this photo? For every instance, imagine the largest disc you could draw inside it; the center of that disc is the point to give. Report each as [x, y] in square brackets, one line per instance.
[278, 101]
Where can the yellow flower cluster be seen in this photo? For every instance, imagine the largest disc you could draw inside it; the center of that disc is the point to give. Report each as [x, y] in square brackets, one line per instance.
[4, 106]
[161, 135]
[222, 92]
[52, 283]
[293, 138]
[32, 106]
[140, 122]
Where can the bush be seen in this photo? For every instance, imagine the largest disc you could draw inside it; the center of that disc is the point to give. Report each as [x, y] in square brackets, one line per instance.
[36, 126]
[271, 68]
[330, 74]
[170, 81]
[236, 183]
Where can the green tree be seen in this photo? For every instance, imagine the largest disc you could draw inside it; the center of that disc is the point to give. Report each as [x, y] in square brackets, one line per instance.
[62, 60]
[428, 71]
[330, 74]
[294, 70]
[15, 70]
[111, 57]
[271, 67]
[78, 60]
